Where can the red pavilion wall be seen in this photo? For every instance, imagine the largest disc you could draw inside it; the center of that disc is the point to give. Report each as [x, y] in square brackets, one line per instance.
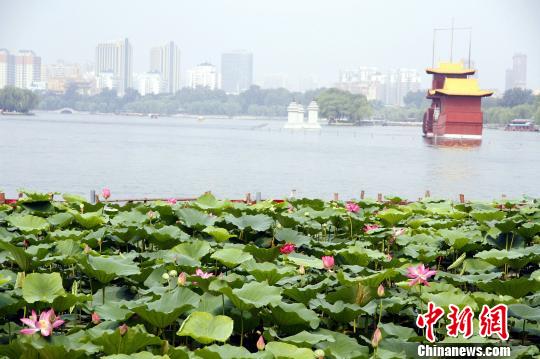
[460, 115]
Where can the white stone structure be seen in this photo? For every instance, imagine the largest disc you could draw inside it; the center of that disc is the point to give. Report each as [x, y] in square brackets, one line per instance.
[313, 116]
[296, 120]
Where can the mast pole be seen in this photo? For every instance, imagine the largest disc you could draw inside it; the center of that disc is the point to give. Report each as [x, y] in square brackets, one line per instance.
[452, 40]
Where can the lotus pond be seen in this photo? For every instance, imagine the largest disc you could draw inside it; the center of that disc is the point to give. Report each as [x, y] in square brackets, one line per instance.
[297, 279]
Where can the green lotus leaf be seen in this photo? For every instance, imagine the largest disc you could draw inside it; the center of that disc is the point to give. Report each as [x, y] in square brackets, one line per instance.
[372, 280]
[223, 352]
[307, 339]
[206, 328]
[73, 198]
[392, 216]
[458, 261]
[295, 314]
[268, 271]
[444, 299]
[28, 224]
[471, 265]
[288, 235]
[42, 287]
[112, 311]
[258, 294]
[105, 268]
[231, 257]
[166, 236]
[89, 220]
[398, 331]
[499, 257]
[491, 300]
[523, 311]
[358, 255]
[303, 260]
[19, 255]
[108, 336]
[139, 355]
[168, 307]
[458, 239]
[259, 222]
[132, 218]
[288, 351]
[306, 293]
[70, 300]
[190, 253]
[60, 220]
[195, 219]
[208, 201]
[344, 347]
[56, 346]
[529, 229]
[484, 216]
[517, 288]
[219, 234]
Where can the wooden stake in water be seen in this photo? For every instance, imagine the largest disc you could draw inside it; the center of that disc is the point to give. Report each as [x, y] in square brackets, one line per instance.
[336, 196]
[379, 197]
[258, 197]
[461, 198]
[428, 194]
[93, 196]
[362, 194]
[2, 198]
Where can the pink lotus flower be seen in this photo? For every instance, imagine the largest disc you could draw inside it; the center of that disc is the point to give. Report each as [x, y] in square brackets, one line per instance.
[123, 329]
[287, 248]
[96, 318]
[46, 323]
[370, 227]
[203, 275]
[377, 337]
[106, 193]
[182, 279]
[352, 207]
[328, 262]
[396, 232]
[380, 290]
[419, 274]
[260, 343]
[171, 201]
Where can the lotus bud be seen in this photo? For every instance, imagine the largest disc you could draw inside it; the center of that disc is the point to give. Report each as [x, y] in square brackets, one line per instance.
[171, 201]
[301, 270]
[377, 337]
[123, 329]
[87, 249]
[26, 243]
[319, 354]
[260, 343]
[20, 279]
[81, 207]
[380, 291]
[106, 193]
[165, 276]
[151, 214]
[173, 273]
[96, 318]
[182, 279]
[328, 262]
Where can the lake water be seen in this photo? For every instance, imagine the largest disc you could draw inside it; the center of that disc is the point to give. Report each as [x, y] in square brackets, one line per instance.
[166, 157]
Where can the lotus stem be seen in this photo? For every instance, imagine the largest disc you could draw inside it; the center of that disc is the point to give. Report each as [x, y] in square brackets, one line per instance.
[242, 328]
[103, 295]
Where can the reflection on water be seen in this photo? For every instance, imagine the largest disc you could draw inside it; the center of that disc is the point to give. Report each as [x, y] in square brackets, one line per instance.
[185, 157]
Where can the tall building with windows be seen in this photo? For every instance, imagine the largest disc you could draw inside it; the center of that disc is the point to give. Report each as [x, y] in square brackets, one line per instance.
[236, 71]
[517, 75]
[27, 69]
[116, 58]
[7, 69]
[165, 60]
[203, 75]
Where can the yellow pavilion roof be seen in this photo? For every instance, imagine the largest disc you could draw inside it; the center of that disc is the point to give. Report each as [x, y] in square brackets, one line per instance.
[450, 68]
[461, 87]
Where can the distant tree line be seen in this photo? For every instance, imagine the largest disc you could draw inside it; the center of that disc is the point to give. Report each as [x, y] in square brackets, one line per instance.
[13, 99]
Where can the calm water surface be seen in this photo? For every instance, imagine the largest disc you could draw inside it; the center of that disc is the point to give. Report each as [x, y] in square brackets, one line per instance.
[165, 157]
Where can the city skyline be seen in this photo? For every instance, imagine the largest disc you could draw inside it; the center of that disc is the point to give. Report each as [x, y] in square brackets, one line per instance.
[311, 39]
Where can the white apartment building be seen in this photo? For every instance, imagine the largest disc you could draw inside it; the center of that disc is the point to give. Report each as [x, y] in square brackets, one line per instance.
[149, 83]
[117, 58]
[165, 60]
[203, 75]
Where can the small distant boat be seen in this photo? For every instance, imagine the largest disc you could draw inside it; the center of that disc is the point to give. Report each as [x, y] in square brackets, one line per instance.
[200, 119]
[522, 125]
[153, 115]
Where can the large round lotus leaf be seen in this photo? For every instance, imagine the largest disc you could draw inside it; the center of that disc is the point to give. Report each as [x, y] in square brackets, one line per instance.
[28, 224]
[258, 222]
[90, 220]
[206, 328]
[523, 311]
[444, 299]
[288, 235]
[208, 201]
[223, 352]
[289, 351]
[393, 216]
[487, 215]
[258, 294]
[190, 253]
[169, 307]
[129, 219]
[106, 268]
[219, 234]
[195, 219]
[295, 314]
[42, 287]
[307, 339]
[231, 257]
[60, 219]
[344, 347]
[139, 355]
[267, 271]
[304, 260]
[19, 255]
[107, 334]
[499, 257]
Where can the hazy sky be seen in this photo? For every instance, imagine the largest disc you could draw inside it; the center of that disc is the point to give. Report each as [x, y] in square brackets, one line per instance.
[297, 38]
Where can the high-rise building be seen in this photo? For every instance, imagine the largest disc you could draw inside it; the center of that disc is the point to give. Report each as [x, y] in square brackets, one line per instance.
[236, 71]
[165, 60]
[7, 69]
[27, 69]
[149, 83]
[517, 76]
[203, 75]
[116, 58]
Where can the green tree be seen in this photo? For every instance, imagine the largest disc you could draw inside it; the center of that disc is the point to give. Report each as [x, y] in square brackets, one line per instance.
[336, 104]
[416, 99]
[14, 99]
[516, 96]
